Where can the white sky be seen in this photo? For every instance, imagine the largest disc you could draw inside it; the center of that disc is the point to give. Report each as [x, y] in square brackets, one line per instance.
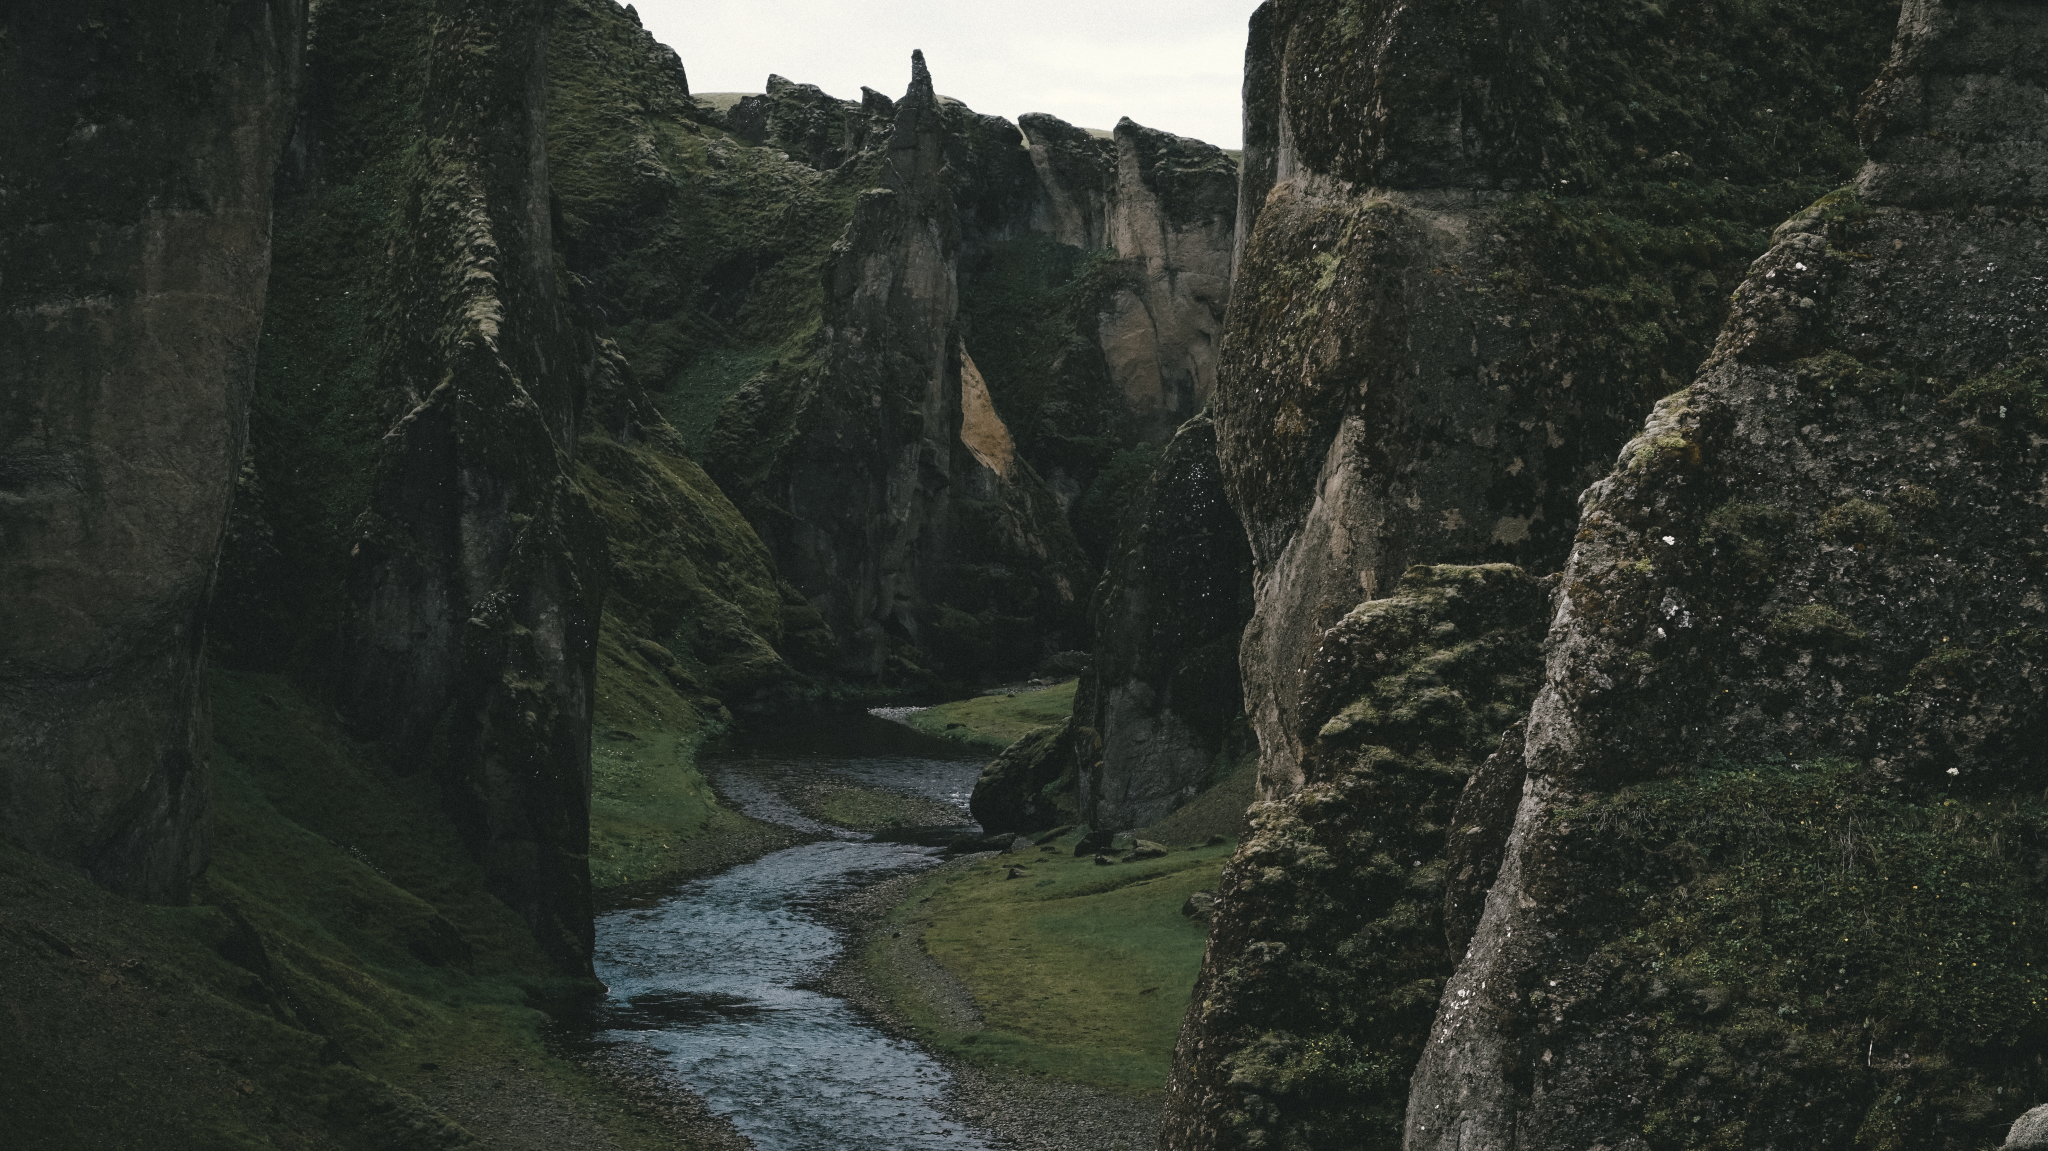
[1177, 65]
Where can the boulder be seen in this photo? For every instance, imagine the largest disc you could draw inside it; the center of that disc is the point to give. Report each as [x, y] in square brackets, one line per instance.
[1029, 787]
[2029, 1132]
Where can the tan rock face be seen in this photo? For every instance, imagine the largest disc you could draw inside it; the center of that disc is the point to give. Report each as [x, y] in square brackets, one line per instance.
[136, 165]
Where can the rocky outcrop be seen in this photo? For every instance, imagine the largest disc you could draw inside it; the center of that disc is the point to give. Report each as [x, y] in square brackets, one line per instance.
[903, 511]
[817, 130]
[1163, 689]
[1773, 844]
[1468, 264]
[1473, 250]
[475, 580]
[1165, 205]
[1332, 912]
[1077, 284]
[1030, 786]
[136, 165]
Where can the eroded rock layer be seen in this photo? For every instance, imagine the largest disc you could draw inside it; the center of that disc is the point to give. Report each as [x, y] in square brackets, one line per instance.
[1782, 829]
[136, 164]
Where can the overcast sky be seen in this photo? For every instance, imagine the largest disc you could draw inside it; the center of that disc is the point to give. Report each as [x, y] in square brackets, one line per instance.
[1171, 64]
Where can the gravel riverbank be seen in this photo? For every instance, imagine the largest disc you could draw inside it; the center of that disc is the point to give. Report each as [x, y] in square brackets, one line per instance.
[1027, 1112]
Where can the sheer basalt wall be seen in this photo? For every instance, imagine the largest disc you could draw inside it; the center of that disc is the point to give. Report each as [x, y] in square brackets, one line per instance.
[1768, 880]
[1475, 244]
[136, 165]
[476, 576]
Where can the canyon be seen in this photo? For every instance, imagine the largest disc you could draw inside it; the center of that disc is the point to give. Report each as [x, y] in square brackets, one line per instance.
[1575, 475]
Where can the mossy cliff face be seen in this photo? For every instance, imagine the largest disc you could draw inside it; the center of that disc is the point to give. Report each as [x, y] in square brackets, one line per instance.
[475, 581]
[744, 268]
[136, 166]
[1769, 879]
[1476, 242]
[1328, 947]
[1163, 690]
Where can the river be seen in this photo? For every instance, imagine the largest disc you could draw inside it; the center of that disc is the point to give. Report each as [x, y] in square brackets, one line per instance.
[713, 976]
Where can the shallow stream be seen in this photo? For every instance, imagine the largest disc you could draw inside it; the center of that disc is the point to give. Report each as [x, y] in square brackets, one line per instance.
[714, 975]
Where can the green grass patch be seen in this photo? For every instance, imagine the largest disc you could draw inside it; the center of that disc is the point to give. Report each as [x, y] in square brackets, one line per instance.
[1080, 971]
[997, 721]
[340, 943]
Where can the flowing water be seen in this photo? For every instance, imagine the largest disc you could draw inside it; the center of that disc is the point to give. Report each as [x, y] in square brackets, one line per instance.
[713, 975]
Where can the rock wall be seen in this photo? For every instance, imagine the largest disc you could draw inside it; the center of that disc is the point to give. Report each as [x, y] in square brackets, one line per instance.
[1306, 1017]
[1474, 247]
[476, 577]
[1764, 882]
[136, 165]
[1163, 690]
[768, 301]
[1166, 206]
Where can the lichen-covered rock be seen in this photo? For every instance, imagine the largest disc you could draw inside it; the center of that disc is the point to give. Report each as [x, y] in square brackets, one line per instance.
[1163, 689]
[1328, 943]
[1475, 244]
[1030, 786]
[1782, 831]
[476, 579]
[136, 165]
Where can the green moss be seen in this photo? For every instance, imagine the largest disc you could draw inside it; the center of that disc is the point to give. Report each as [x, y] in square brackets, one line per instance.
[1816, 627]
[997, 721]
[1079, 971]
[340, 942]
[1859, 523]
[2020, 391]
[1811, 935]
[701, 256]
[1330, 951]
[1743, 540]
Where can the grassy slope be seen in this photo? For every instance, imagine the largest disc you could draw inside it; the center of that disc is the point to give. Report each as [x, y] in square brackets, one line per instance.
[997, 721]
[1079, 971]
[340, 942]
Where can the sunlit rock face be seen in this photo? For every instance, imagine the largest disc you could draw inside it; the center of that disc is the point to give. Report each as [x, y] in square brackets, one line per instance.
[136, 165]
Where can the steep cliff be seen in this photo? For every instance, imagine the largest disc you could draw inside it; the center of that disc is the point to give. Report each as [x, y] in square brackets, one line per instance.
[1328, 936]
[1163, 690]
[1474, 245]
[1768, 881]
[136, 165]
[770, 301]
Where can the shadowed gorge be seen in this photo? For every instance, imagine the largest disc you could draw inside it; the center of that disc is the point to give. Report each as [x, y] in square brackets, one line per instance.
[544, 608]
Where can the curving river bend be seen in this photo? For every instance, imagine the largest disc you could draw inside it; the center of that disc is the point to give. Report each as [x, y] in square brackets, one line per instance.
[713, 976]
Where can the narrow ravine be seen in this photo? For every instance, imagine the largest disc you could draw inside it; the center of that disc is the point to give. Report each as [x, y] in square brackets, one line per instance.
[712, 976]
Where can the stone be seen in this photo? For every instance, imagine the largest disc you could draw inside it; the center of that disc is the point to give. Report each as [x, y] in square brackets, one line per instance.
[139, 156]
[1808, 561]
[1154, 710]
[1199, 906]
[1029, 787]
[2029, 1132]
